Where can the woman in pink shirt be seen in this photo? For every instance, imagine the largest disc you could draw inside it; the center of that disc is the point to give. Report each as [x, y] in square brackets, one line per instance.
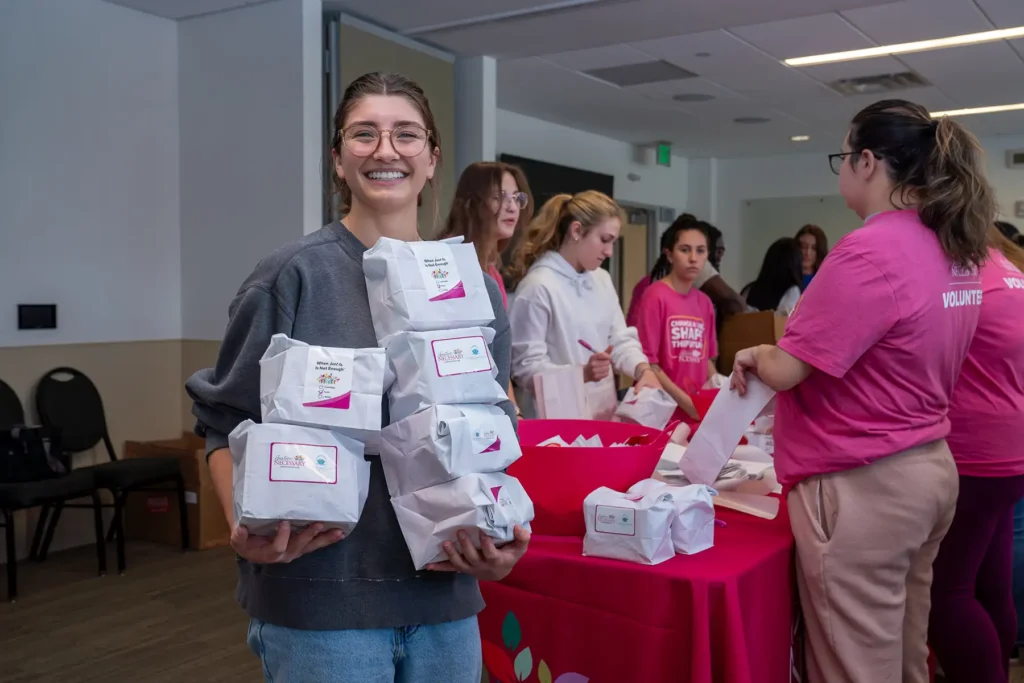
[865, 372]
[973, 623]
[675, 320]
[492, 202]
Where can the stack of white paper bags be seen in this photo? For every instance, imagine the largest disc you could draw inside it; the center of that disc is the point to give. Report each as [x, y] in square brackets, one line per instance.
[448, 441]
[630, 527]
[321, 409]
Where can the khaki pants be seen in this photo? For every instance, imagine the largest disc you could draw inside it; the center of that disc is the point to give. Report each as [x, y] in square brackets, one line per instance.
[866, 539]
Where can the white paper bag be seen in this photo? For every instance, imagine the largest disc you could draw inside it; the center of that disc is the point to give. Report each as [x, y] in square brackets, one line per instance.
[424, 286]
[602, 398]
[319, 386]
[559, 394]
[492, 503]
[721, 430]
[650, 408]
[443, 443]
[626, 526]
[296, 474]
[445, 367]
[693, 527]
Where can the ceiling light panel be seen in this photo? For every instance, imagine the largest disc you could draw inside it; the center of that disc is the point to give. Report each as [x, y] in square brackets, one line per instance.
[905, 48]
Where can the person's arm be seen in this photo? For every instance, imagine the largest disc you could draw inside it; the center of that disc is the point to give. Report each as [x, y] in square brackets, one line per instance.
[728, 301]
[773, 366]
[681, 398]
[222, 473]
[529, 318]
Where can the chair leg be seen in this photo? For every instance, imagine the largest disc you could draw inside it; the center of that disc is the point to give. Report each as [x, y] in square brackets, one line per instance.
[182, 513]
[12, 559]
[37, 538]
[101, 546]
[51, 527]
[112, 532]
[119, 500]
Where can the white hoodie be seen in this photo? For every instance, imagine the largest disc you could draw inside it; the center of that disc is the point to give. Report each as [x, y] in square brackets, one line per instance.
[553, 308]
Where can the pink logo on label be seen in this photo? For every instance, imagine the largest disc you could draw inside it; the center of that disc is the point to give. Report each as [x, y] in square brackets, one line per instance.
[456, 292]
[494, 491]
[339, 402]
[494, 447]
[634, 499]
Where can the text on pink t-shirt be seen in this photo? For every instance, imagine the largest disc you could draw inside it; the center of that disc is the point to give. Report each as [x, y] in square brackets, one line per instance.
[677, 331]
[987, 409]
[886, 323]
[634, 302]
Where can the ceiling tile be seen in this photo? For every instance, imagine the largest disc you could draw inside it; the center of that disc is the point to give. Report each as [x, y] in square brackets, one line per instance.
[182, 9]
[975, 75]
[1003, 13]
[406, 15]
[689, 86]
[599, 57]
[910, 20]
[827, 73]
[814, 35]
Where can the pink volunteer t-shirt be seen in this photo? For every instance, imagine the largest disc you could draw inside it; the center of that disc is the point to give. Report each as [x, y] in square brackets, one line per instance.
[987, 408]
[886, 323]
[632, 315]
[496, 274]
[677, 331]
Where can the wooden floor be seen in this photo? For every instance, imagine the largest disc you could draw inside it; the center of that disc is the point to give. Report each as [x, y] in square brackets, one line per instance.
[171, 618]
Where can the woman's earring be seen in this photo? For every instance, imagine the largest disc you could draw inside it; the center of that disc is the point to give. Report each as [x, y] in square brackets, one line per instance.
[575, 238]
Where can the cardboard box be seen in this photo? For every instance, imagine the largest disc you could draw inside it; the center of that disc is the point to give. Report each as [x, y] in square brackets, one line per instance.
[153, 515]
[744, 330]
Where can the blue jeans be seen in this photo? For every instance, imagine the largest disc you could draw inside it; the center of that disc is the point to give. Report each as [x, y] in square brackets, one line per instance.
[448, 653]
[1018, 567]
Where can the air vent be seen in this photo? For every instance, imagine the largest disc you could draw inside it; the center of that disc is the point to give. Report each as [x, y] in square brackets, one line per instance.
[878, 85]
[639, 74]
[693, 97]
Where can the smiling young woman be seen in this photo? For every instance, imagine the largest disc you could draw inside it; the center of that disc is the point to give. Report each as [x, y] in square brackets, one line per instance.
[322, 608]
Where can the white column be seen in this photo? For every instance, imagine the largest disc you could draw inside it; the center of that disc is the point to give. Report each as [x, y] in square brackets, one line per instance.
[476, 104]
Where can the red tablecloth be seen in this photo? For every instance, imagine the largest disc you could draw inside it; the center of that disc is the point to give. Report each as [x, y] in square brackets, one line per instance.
[721, 616]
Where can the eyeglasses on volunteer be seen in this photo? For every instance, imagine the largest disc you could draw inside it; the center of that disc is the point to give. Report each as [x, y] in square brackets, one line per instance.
[407, 140]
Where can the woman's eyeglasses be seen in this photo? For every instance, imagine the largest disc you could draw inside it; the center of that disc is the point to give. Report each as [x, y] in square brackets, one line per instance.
[518, 198]
[835, 161]
[408, 140]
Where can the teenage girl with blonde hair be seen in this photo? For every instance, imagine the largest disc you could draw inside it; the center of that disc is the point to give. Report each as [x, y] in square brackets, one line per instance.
[565, 300]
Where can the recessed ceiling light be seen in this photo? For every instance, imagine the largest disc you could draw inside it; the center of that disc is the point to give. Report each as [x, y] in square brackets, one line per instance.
[903, 48]
[693, 97]
[800, 138]
[979, 110]
[750, 119]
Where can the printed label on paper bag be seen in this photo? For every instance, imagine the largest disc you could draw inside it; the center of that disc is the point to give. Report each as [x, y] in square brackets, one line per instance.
[485, 437]
[460, 356]
[303, 463]
[328, 381]
[439, 272]
[614, 520]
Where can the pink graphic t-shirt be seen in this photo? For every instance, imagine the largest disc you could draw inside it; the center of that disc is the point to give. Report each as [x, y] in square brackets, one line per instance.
[677, 332]
[987, 408]
[493, 271]
[886, 323]
[633, 314]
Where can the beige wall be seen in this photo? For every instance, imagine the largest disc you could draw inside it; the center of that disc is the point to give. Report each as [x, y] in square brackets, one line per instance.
[196, 354]
[361, 53]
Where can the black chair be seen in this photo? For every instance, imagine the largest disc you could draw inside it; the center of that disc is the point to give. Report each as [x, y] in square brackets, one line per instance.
[68, 401]
[27, 481]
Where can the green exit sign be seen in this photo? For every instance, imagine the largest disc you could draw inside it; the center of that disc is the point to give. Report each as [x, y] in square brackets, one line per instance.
[664, 155]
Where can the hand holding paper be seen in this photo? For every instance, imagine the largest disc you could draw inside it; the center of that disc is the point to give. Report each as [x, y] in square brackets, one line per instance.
[722, 428]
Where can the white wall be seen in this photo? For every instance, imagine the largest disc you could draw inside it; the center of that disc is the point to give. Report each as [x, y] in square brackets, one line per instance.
[249, 88]
[88, 171]
[536, 139]
[808, 175]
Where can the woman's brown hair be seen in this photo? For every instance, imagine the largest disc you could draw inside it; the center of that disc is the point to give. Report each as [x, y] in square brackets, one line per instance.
[472, 215]
[378, 83]
[936, 164]
[1013, 253]
[550, 228]
[820, 242]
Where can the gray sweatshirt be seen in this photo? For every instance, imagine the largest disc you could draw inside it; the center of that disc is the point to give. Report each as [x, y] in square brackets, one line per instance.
[313, 290]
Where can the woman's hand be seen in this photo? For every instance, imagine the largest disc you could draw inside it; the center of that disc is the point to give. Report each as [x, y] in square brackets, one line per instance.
[599, 366]
[284, 546]
[647, 380]
[490, 563]
[746, 361]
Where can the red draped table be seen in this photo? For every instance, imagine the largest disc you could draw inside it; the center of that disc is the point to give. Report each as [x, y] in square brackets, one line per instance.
[721, 616]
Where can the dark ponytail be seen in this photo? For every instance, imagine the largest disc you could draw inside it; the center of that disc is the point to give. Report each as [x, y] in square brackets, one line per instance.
[668, 242]
[937, 165]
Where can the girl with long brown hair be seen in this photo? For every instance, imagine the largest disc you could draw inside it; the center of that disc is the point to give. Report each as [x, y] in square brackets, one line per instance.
[564, 299]
[323, 608]
[864, 375]
[813, 250]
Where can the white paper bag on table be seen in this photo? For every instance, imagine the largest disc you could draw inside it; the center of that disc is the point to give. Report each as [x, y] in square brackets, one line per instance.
[319, 386]
[650, 408]
[492, 503]
[296, 474]
[445, 367]
[630, 527]
[559, 394]
[443, 443]
[425, 286]
[602, 398]
[693, 527]
[720, 431]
